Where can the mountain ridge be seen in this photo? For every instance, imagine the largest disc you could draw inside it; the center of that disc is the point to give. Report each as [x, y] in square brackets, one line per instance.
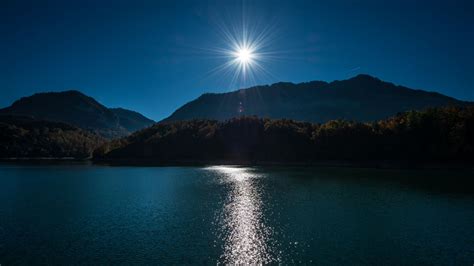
[361, 98]
[76, 108]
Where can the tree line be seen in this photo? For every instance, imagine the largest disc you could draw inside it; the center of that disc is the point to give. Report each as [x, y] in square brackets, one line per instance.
[436, 134]
[24, 137]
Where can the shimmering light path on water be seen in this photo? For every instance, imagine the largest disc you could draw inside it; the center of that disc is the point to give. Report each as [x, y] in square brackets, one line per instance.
[242, 226]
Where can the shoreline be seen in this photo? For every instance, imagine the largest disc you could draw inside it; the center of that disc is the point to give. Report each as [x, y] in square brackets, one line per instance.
[374, 164]
[42, 159]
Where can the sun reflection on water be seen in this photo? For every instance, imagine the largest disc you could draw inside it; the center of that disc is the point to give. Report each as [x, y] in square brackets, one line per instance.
[245, 235]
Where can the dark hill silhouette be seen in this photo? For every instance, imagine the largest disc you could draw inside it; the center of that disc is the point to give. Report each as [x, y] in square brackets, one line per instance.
[434, 135]
[361, 98]
[26, 137]
[75, 108]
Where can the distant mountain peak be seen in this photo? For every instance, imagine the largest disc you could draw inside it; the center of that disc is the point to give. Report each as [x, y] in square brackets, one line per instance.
[282, 84]
[364, 77]
[66, 93]
[76, 108]
[365, 80]
[71, 92]
[361, 98]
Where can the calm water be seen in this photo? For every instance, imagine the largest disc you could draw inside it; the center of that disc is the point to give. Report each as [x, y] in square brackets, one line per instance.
[86, 214]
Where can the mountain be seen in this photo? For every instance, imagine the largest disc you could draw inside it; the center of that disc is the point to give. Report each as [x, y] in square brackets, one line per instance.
[75, 108]
[443, 134]
[26, 137]
[361, 98]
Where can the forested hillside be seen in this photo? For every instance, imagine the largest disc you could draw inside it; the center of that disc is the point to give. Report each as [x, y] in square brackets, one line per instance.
[23, 137]
[437, 134]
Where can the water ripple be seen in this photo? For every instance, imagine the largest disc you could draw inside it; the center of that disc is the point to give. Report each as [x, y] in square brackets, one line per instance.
[245, 235]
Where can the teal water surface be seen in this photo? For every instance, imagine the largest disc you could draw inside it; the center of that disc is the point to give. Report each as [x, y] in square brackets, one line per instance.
[88, 214]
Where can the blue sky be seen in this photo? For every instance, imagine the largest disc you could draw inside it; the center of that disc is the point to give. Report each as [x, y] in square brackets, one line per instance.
[154, 56]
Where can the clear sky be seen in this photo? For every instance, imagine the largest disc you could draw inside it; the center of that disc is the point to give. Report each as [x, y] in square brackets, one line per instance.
[154, 56]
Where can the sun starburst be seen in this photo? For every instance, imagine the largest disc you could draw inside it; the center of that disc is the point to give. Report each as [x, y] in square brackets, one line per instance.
[245, 51]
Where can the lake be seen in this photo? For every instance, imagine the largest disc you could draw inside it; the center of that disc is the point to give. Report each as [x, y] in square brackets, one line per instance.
[78, 213]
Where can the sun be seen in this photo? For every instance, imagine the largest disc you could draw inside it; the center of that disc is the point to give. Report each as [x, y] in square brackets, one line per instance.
[244, 55]
[247, 51]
